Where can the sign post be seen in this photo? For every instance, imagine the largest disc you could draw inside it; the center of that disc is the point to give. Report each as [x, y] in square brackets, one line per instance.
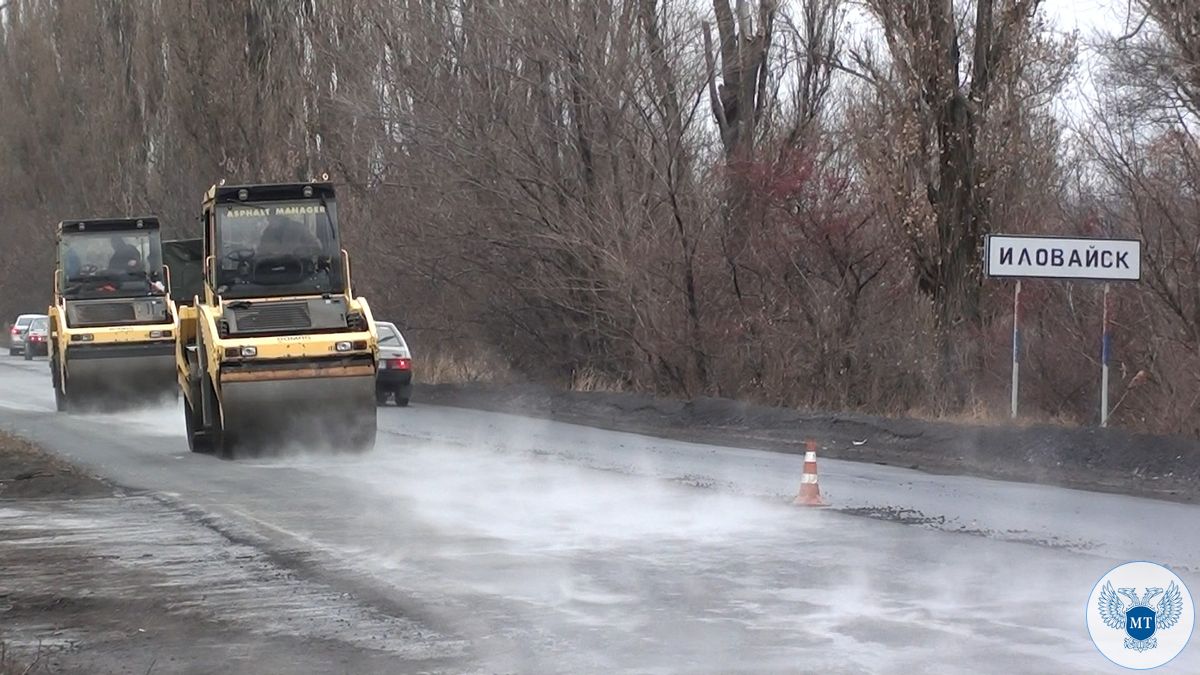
[1065, 258]
[1105, 356]
[1016, 362]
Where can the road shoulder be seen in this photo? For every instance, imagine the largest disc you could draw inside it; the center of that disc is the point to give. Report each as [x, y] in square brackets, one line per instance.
[96, 580]
[1102, 460]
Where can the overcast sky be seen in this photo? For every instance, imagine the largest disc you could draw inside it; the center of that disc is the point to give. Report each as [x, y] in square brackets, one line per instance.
[1089, 18]
[1086, 15]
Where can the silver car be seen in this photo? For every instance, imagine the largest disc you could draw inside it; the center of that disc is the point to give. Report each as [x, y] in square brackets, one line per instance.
[394, 376]
[16, 335]
[37, 338]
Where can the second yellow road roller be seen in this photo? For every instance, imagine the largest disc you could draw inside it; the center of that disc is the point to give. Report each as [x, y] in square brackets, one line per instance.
[112, 342]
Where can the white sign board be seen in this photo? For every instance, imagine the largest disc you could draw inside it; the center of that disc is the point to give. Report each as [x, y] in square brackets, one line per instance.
[1063, 258]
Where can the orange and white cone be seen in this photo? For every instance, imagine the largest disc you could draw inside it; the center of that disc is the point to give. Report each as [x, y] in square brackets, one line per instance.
[810, 489]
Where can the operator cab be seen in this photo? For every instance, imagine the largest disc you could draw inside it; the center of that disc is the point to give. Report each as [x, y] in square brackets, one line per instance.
[274, 241]
[274, 260]
[110, 272]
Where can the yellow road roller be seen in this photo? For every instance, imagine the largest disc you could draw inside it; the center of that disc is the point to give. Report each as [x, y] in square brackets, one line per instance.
[276, 352]
[112, 341]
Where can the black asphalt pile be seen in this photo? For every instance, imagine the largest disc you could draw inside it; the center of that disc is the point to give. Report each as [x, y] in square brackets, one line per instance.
[1111, 460]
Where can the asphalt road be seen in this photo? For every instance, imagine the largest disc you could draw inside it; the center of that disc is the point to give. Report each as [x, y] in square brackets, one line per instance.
[538, 546]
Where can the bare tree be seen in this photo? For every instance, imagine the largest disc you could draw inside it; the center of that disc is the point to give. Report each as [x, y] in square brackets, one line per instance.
[738, 102]
[1146, 154]
[942, 85]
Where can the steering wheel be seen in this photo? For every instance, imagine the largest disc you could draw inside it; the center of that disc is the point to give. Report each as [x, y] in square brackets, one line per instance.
[241, 256]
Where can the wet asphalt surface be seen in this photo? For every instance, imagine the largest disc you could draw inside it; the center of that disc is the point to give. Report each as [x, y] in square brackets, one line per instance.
[493, 543]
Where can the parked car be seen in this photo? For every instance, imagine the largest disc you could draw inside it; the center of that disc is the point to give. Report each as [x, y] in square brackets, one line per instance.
[16, 335]
[37, 338]
[393, 378]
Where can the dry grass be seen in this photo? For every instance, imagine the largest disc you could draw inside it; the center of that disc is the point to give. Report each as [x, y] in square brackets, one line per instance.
[480, 365]
[589, 379]
[981, 414]
[456, 367]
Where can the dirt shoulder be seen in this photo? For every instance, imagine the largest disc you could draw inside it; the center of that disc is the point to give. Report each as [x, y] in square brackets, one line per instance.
[1108, 460]
[27, 472]
[96, 580]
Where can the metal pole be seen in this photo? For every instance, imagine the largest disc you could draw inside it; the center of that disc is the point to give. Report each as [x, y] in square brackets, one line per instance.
[1105, 356]
[1016, 346]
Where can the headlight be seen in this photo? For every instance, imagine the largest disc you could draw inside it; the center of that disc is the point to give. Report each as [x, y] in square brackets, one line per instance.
[82, 337]
[343, 346]
[247, 352]
[160, 333]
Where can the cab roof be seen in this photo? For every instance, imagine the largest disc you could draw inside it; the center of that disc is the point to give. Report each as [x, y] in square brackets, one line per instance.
[108, 224]
[268, 192]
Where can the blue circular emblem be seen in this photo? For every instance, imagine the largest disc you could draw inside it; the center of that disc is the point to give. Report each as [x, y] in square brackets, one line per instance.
[1140, 615]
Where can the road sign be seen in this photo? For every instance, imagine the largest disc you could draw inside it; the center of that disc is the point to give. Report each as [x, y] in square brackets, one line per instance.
[1063, 258]
[1041, 257]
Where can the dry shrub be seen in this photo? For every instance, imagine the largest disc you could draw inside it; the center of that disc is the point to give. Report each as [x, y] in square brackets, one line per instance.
[591, 379]
[460, 365]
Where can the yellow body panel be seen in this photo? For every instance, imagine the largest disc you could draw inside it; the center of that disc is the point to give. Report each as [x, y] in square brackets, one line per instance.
[116, 378]
[302, 346]
[185, 334]
[61, 333]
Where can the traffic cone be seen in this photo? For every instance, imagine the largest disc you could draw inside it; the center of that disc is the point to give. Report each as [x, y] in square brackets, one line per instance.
[810, 489]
